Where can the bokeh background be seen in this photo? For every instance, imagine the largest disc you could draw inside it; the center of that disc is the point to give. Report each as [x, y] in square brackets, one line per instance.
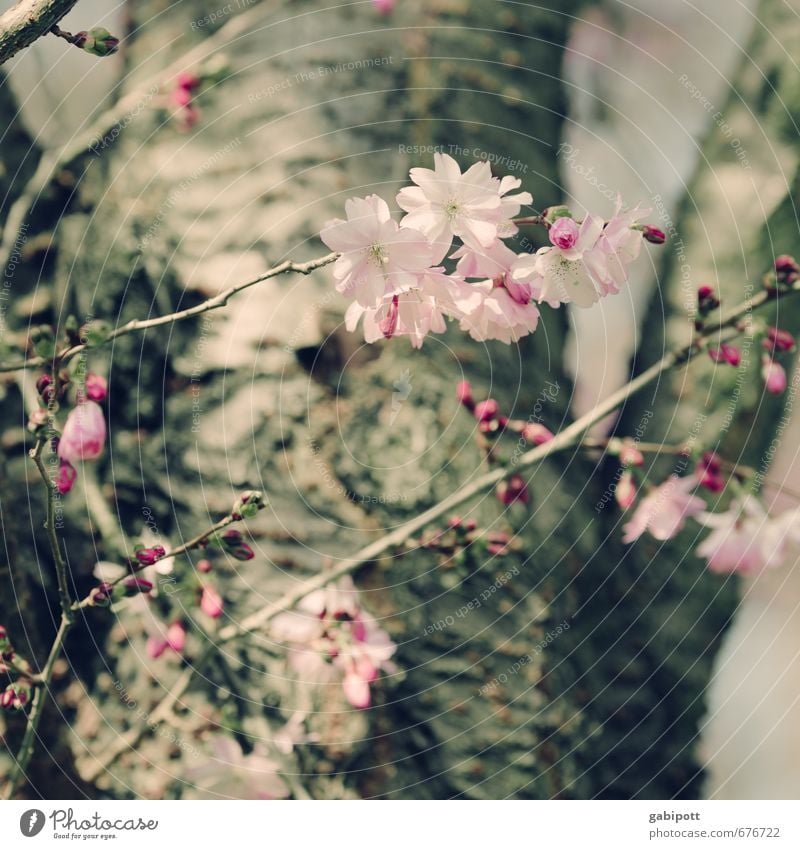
[669, 681]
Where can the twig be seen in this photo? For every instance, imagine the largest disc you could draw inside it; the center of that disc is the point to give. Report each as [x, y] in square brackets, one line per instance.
[40, 694]
[214, 303]
[119, 115]
[28, 20]
[50, 527]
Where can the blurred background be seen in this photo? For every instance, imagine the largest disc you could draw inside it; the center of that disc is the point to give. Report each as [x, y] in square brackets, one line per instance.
[669, 681]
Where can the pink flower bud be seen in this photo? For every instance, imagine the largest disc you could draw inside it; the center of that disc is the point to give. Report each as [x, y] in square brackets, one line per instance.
[66, 477]
[204, 565]
[712, 481]
[176, 637]
[486, 410]
[96, 387]
[774, 375]
[188, 80]
[786, 269]
[134, 586]
[182, 96]
[100, 596]
[43, 382]
[464, 394]
[241, 552]
[706, 299]
[564, 233]
[155, 647]
[388, 324]
[630, 455]
[512, 489]
[7, 698]
[654, 235]
[725, 354]
[84, 433]
[778, 340]
[211, 602]
[454, 522]
[470, 525]
[232, 537]
[625, 491]
[38, 418]
[146, 556]
[385, 7]
[536, 434]
[356, 690]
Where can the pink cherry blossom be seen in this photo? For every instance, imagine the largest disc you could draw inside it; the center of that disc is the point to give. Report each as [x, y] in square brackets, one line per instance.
[496, 262]
[446, 203]
[497, 315]
[385, 7]
[621, 243]
[84, 433]
[568, 275]
[378, 258]
[737, 540]
[664, 510]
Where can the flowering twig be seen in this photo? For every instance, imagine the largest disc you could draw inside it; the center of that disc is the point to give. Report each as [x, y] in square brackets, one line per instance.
[40, 695]
[569, 437]
[27, 21]
[214, 303]
[50, 527]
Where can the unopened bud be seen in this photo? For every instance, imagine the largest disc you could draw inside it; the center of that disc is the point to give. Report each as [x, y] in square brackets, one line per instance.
[96, 387]
[211, 602]
[135, 586]
[486, 410]
[98, 41]
[654, 235]
[707, 300]
[248, 504]
[625, 491]
[464, 395]
[512, 489]
[100, 596]
[778, 340]
[536, 434]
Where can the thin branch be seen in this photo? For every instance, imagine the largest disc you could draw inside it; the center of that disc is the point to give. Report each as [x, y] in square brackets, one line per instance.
[41, 692]
[214, 303]
[28, 20]
[114, 118]
[50, 527]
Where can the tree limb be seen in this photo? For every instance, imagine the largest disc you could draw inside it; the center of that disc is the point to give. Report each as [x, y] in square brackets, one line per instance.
[28, 20]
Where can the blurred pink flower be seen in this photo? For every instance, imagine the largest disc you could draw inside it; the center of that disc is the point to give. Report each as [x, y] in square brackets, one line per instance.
[331, 638]
[664, 510]
[230, 774]
[211, 602]
[773, 374]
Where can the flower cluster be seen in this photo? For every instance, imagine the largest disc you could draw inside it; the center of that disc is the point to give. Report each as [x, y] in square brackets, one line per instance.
[395, 276]
[492, 423]
[332, 638]
[83, 436]
[743, 539]
[774, 340]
